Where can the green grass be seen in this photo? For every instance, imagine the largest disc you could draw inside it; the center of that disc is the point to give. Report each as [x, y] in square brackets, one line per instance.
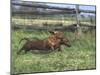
[40, 21]
[27, 21]
[81, 55]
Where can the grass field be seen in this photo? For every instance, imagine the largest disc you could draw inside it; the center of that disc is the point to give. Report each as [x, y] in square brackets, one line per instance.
[81, 54]
[27, 21]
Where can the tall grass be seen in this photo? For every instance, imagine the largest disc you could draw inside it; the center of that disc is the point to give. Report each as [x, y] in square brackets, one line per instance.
[81, 54]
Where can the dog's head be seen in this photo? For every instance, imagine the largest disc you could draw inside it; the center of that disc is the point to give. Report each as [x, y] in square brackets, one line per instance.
[66, 42]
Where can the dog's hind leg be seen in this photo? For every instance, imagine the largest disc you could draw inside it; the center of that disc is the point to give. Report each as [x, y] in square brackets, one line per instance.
[26, 51]
[20, 50]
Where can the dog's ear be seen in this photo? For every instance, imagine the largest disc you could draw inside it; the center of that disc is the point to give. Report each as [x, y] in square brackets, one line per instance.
[55, 32]
[52, 32]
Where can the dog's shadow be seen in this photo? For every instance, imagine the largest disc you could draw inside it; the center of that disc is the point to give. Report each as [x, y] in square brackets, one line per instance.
[39, 52]
[43, 51]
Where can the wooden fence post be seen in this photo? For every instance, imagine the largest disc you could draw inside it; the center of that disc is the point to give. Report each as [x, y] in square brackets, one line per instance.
[78, 31]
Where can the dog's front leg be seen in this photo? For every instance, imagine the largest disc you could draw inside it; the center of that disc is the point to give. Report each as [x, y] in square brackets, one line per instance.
[52, 48]
[59, 49]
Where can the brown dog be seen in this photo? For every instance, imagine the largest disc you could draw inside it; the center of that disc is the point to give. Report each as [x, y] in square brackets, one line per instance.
[52, 42]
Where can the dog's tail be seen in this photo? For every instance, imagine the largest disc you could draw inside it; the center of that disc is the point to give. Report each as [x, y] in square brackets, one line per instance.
[24, 39]
[27, 39]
